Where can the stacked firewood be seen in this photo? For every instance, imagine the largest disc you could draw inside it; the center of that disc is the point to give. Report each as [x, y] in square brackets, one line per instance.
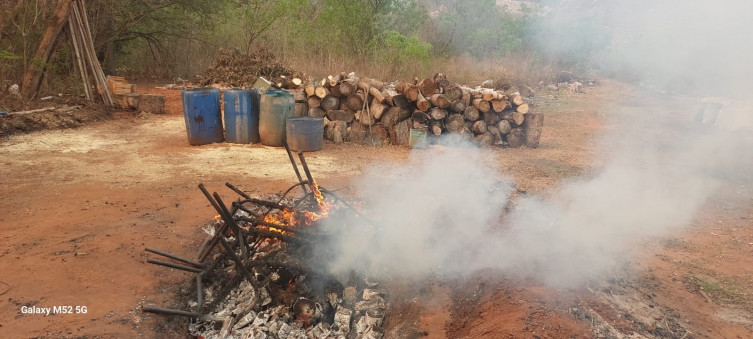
[367, 110]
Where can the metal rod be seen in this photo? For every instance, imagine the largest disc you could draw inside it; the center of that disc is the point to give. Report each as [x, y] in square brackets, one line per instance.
[175, 257]
[238, 262]
[306, 170]
[169, 311]
[175, 266]
[215, 240]
[236, 229]
[203, 246]
[199, 291]
[295, 166]
[241, 193]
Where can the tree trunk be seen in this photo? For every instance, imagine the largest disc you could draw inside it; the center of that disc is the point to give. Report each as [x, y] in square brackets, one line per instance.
[516, 99]
[388, 94]
[490, 118]
[401, 101]
[33, 75]
[310, 90]
[522, 109]
[420, 117]
[368, 86]
[365, 118]
[485, 139]
[436, 128]
[335, 91]
[532, 126]
[150, 103]
[453, 93]
[347, 88]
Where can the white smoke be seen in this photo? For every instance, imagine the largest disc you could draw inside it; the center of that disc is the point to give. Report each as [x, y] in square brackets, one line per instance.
[442, 211]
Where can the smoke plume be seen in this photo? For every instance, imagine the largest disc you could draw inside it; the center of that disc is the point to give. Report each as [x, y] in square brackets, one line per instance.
[444, 211]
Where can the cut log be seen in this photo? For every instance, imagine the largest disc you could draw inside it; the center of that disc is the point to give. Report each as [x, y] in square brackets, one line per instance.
[339, 115]
[457, 106]
[522, 109]
[401, 101]
[532, 127]
[347, 88]
[400, 133]
[422, 104]
[309, 89]
[485, 139]
[440, 100]
[340, 131]
[516, 99]
[316, 112]
[471, 113]
[299, 95]
[453, 92]
[504, 126]
[296, 81]
[496, 135]
[377, 109]
[330, 103]
[466, 98]
[516, 138]
[455, 122]
[368, 86]
[335, 91]
[420, 117]
[301, 109]
[489, 95]
[436, 128]
[437, 113]
[500, 105]
[377, 135]
[321, 91]
[518, 118]
[411, 93]
[491, 118]
[400, 87]
[388, 94]
[355, 101]
[394, 115]
[482, 105]
[150, 103]
[479, 127]
[132, 100]
[314, 101]
[357, 133]
[365, 118]
[427, 87]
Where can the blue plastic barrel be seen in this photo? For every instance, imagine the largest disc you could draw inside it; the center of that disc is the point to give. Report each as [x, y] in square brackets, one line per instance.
[201, 109]
[241, 115]
[274, 108]
[305, 133]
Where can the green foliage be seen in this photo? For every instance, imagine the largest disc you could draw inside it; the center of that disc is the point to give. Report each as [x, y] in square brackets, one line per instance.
[6, 55]
[403, 48]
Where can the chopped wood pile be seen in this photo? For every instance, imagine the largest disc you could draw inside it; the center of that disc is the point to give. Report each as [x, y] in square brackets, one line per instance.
[236, 69]
[367, 110]
[257, 275]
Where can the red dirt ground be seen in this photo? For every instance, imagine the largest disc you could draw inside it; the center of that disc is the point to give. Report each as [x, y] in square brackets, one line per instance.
[78, 206]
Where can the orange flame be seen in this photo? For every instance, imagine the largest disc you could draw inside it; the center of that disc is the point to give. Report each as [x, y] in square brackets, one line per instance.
[288, 218]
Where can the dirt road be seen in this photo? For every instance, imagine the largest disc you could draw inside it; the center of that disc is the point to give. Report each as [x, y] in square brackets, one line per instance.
[78, 206]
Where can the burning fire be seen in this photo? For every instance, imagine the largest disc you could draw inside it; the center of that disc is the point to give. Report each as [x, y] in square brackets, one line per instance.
[287, 217]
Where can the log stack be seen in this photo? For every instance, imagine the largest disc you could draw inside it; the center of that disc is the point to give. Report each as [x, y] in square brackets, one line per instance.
[361, 109]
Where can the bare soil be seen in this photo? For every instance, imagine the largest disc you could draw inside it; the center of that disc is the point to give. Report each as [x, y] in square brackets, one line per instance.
[78, 206]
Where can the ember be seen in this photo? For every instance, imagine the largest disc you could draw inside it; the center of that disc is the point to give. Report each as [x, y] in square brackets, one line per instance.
[264, 282]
